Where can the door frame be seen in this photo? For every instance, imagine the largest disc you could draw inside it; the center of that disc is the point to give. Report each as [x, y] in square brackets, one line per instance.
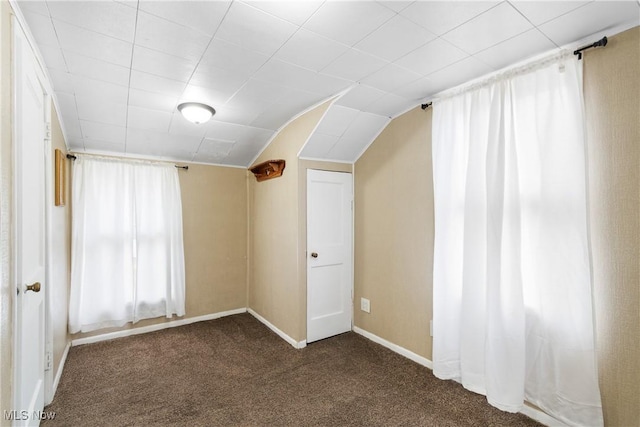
[353, 230]
[20, 35]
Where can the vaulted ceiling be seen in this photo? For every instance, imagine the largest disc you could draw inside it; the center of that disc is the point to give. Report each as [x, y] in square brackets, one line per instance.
[120, 68]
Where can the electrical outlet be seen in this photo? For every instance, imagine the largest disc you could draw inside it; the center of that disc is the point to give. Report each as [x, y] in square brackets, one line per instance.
[365, 305]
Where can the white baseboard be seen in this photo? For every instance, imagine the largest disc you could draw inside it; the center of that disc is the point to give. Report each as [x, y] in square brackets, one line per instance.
[541, 417]
[152, 328]
[63, 360]
[529, 411]
[395, 348]
[287, 338]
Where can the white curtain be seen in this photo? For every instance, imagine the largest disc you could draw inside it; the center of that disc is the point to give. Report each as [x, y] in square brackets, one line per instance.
[513, 315]
[127, 250]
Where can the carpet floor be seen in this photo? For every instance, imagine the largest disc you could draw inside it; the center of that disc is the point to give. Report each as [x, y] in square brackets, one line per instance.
[234, 371]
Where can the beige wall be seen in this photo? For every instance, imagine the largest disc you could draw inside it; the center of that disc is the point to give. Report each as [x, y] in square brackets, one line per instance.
[394, 233]
[275, 290]
[60, 256]
[214, 216]
[6, 287]
[394, 225]
[612, 104]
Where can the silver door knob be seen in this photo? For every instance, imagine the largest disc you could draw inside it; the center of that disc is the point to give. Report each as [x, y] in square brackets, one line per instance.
[314, 255]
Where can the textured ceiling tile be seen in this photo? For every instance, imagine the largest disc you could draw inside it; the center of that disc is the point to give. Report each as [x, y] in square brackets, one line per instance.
[211, 97]
[217, 147]
[144, 118]
[552, 9]
[354, 65]
[35, 6]
[417, 90]
[166, 36]
[156, 84]
[389, 105]
[482, 31]
[395, 38]
[156, 101]
[296, 12]
[318, 145]
[99, 90]
[41, 28]
[102, 146]
[431, 57]
[515, 49]
[442, 16]
[336, 120]
[348, 22]
[590, 19]
[162, 64]
[254, 29]
[366, 126]
[53, 57]
[396, 5]
[221, 130]
[224, 82]
[275, 116]
[103, 132]
[204, 16]
[360, 96]
[347, 149]
[93, 45]
[66, 104]
[105, 17]
[391, 77]
[459, 73]
[71, 126]
[102, 112]
[232, 57]
[96, 69]
[181, 126]
[256, 91]
[310, 50]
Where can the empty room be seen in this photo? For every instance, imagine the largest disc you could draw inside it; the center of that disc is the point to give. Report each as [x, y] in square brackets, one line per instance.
[319, 213]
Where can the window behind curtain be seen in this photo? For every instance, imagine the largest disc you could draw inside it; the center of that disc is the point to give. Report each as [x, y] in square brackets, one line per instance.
[127, 248]
[513, 313]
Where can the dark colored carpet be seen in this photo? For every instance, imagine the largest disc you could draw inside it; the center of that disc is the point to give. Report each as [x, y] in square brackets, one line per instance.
[235, 372]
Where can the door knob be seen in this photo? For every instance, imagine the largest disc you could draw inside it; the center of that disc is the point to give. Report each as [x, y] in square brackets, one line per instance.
[314, 255]
[35, 287]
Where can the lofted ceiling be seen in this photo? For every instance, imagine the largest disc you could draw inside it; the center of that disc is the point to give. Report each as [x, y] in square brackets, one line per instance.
[120, 68]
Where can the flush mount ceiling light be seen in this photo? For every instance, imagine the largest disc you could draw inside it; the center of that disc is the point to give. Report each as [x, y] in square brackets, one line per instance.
[196, 112]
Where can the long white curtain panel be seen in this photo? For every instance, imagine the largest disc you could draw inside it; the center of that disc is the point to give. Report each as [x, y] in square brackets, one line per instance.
[127, 248]
[513, 313]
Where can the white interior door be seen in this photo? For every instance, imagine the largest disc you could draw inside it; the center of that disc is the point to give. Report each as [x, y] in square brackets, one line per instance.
[29, 202]
[329, 253]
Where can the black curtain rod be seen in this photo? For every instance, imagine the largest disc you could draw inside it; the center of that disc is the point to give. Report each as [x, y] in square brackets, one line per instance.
[427, 105]
[72, 157]
[600, 43]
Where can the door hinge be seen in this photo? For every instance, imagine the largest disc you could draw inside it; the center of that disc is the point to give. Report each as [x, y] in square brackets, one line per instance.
[48, 363]
[47, 131]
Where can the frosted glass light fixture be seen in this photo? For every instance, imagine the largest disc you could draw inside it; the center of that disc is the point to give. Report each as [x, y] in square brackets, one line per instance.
[196, 112]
